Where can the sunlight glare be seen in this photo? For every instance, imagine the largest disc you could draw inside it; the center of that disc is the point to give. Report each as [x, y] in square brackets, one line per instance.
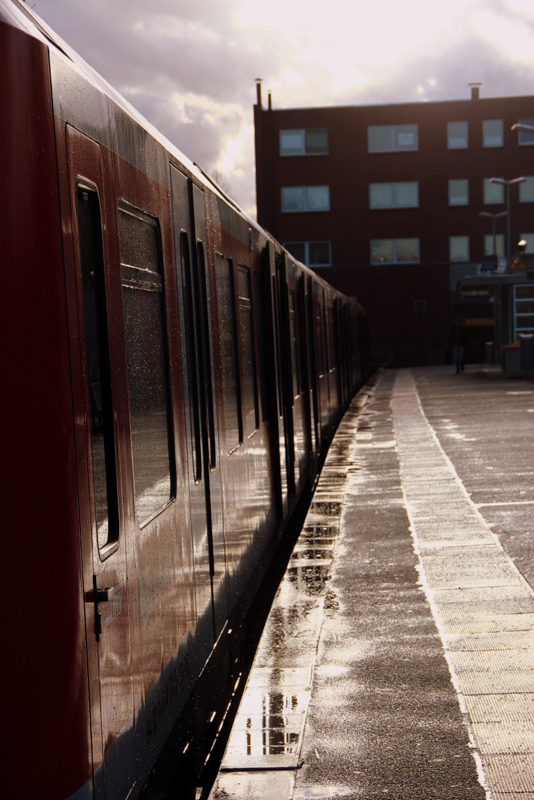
[230, 161]
[516, 41]
[348, 41]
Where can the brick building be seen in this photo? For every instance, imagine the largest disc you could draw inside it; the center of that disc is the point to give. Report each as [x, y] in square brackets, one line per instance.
[393, 204]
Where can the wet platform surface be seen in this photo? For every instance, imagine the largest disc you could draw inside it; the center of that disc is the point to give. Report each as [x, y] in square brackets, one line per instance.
[398, 656]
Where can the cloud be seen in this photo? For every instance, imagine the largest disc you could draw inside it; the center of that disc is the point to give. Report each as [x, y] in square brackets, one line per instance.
[190, 67]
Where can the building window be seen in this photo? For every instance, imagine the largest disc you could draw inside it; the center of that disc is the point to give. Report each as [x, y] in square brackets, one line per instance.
[526, 190]
[459, 192]
[457, 135]
[529, 239]
[526, 137]
[305, 198]
[492, 133]
[499, 245]
[459, 248]
[493, 192]
[391, 138]
[313, 254]
[394, 195]
[297, 250]
[394, 251]
[304, 142]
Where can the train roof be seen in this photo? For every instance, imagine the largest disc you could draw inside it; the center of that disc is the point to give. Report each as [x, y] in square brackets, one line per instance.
[17, 14]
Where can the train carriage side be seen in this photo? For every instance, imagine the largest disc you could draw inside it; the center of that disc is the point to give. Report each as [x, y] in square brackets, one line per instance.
[189, 373]
[138, 571]
[246, 383]
[188, 550]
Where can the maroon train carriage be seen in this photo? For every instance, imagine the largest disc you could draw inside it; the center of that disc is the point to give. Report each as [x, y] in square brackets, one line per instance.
[170, 379]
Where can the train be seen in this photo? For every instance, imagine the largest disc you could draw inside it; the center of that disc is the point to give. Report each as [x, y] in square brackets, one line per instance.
[171, 379]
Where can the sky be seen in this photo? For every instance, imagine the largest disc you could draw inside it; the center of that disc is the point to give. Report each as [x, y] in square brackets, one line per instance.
[189, 66]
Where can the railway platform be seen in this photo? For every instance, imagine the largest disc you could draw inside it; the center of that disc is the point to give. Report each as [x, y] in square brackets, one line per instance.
[398, 657]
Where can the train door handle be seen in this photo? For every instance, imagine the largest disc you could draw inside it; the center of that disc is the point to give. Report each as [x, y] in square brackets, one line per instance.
[98, 596]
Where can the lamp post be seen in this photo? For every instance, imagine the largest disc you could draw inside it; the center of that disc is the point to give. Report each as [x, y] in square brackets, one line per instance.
[521, 126]
[493, 218]
[506, 183]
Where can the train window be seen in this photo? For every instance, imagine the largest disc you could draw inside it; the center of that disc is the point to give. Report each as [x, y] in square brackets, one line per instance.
[98, 369]
[228, 352]
[148, 383]
[293, 332]
[260, 295]
[192, 371]
[247, 349]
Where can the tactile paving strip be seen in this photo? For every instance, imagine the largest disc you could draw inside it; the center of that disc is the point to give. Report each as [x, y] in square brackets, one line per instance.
[483, 607]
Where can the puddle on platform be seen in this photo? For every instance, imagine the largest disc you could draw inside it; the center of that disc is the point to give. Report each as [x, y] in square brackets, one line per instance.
[308, 579]
[320, 534]
[321, 791]
[325, 509]
[311, 554]
[269, 725]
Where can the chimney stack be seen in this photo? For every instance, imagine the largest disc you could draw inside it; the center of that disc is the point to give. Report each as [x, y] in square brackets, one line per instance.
[258, 92]
[475, 90]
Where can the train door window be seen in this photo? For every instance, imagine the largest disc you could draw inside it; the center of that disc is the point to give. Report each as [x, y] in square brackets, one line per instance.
[228, 354]
[260, 306]
[247, 349]
[146, 351]
[98, 370]
[293, 332]
[192, 372]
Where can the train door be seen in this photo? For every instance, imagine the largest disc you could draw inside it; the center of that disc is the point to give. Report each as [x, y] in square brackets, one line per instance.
[204, 476]
[320, 354]
[312, 367]
[281, 480]
[299, 373]
[286, 375]
[95, 397]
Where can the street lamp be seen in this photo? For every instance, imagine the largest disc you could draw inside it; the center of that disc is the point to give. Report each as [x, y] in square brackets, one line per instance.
[506, 183]
[493, 218]
[521, 126]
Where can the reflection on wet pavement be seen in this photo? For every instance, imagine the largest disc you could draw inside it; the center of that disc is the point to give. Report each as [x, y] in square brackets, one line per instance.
[268, 730]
